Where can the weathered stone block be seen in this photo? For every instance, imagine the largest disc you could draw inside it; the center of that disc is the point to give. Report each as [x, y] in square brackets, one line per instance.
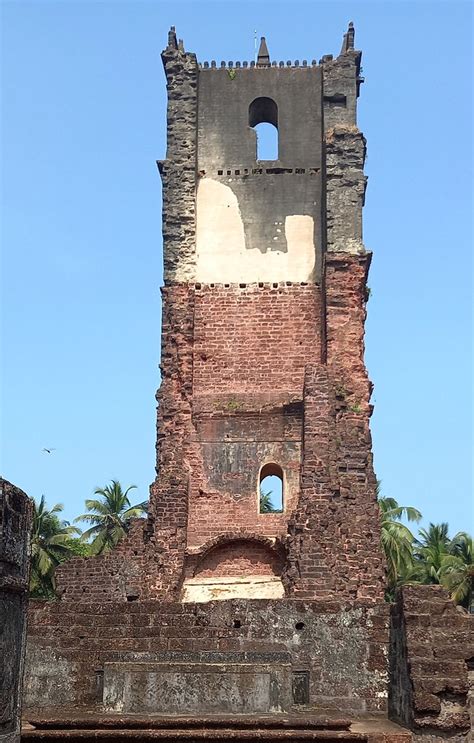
[197, 688]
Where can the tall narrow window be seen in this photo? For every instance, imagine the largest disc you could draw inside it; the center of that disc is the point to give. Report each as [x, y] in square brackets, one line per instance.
[271, 489]
[263, 118]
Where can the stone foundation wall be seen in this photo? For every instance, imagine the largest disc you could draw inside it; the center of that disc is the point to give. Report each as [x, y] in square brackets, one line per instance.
[343, 646]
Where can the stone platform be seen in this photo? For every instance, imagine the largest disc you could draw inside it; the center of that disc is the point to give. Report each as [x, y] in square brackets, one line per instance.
[350, 660]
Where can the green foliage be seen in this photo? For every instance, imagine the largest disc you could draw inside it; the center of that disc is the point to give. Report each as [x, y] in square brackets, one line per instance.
[340, 391]
[110, 516]
[52, 542]
[79, 548]
[266, 503]
[432, 558]
[397, 540]
[457, 570]
[429, 550]
[233, 405]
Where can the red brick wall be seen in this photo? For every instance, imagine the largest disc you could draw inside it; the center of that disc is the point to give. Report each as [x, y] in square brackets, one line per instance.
[215, 513]
[239, 559]
[251, 345]
[255, 339]
[128, 570]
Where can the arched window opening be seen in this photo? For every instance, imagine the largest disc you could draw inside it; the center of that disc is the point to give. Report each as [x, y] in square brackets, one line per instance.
[267, 142]
[263, 118]
[271, 489]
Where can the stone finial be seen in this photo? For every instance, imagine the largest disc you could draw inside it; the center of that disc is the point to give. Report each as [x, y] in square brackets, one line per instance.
[348, 40]
[172, 40]
[263, 58]
[181, 45]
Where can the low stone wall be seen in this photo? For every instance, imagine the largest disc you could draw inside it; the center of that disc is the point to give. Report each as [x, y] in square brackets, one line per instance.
[340, 647]
[431, 658]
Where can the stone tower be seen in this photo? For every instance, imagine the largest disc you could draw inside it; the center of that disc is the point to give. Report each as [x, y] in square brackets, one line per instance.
[263, 325]
[263, 375]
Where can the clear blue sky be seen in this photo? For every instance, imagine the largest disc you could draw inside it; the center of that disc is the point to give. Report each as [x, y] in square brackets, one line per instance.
[83, 123]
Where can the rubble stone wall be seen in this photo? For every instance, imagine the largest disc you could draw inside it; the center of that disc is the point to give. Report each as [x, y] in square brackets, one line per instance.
[431, 659]
[343, 645]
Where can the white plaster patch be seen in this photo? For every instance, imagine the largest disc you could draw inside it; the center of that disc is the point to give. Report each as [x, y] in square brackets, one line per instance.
[201, 590]
[221, 255]
[299, 232]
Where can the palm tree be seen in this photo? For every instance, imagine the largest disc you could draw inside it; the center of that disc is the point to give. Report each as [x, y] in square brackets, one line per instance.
[51, 544]
[457, 570]
[430, 549]
[397, 539]
[266, 503]
[110, 516]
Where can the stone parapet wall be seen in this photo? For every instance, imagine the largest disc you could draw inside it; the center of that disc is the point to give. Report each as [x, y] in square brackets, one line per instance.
[431, 654]
[342, 645]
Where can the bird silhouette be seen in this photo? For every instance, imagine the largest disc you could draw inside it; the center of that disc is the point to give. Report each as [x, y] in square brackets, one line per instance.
[48, 451]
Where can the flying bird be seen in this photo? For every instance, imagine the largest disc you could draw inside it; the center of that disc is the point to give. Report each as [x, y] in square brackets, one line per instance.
[48, 451]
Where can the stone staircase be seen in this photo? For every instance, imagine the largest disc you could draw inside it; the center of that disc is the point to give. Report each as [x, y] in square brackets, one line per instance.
[90, 726]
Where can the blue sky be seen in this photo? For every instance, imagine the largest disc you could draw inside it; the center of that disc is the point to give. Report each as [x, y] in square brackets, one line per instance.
[83, 123]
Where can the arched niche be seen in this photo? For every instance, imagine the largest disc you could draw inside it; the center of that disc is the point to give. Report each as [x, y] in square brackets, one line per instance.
[239, 568]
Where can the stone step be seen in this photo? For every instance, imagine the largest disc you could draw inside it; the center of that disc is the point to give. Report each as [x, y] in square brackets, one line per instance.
[83, 725]
[100, 720]
[123, 735]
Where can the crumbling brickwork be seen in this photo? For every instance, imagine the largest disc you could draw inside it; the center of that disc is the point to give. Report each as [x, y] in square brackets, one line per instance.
[178, 171]
[15, 525]
[265, 371]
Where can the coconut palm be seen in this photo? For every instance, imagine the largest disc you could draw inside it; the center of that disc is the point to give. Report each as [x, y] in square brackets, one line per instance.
[110, 516]
[51, 543]
[266, 503]
[430, 549]
[397, 539]
[457, 569]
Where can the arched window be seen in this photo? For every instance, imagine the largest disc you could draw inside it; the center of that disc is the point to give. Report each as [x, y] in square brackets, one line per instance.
[271, 489]
[263, 118]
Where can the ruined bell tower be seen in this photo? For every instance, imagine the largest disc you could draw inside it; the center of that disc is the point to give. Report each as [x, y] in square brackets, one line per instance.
[263, 324]
[263, 379]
